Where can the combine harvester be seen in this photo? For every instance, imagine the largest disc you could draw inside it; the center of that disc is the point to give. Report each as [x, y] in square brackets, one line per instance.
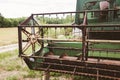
[88, 44]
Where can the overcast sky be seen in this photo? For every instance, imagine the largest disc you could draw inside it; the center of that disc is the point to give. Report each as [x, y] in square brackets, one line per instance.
[20, 8]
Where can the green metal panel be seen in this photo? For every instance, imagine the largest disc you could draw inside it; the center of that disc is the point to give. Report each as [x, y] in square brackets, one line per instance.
[118, 2]
[78, 8]
[94, 17]
[84, 5]
[69, 52]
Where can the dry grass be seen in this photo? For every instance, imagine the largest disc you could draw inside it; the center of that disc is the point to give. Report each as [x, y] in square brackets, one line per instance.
[13, 68]
[8, 36]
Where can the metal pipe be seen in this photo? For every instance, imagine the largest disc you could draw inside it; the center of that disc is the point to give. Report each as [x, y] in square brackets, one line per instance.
[75, 12]
[77, 73]
[78, 26]
[66, 48]
[26, 21]
[20, 40]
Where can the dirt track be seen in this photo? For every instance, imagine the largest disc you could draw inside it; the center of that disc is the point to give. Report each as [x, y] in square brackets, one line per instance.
[8, 48]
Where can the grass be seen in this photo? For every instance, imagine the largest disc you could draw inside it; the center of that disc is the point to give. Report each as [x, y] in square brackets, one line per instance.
[10, 63]
[12, 78]
[8, 36]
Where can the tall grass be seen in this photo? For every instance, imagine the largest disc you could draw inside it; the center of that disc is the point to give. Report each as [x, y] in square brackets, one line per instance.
[11, 63]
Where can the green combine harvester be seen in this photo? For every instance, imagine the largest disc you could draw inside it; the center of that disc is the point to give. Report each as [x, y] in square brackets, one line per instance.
[88, 44]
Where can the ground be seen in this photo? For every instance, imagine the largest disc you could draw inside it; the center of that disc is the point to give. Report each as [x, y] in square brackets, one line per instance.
[8, 36]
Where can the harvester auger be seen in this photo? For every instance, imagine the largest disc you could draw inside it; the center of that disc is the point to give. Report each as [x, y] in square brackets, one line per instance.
[84, 43]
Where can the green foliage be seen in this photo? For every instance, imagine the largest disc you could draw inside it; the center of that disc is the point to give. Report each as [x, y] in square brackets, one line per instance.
[5, 55]
[11, 63]
[12, 78]
[83, 78]
[1, 20]
[13, 22]
[7, 59]
[10, 22]
[32, 74]
[56, 20]
[55, 74]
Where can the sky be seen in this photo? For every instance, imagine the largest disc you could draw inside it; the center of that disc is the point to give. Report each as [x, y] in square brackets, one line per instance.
[24, 8]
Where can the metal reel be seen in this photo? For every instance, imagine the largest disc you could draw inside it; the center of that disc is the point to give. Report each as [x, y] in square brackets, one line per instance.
[32, 39]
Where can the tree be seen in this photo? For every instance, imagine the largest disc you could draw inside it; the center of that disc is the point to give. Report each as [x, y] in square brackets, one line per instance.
[10, 22]
[1, 20]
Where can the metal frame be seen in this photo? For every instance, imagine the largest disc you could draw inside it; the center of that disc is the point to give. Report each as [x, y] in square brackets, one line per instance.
[87, 63]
